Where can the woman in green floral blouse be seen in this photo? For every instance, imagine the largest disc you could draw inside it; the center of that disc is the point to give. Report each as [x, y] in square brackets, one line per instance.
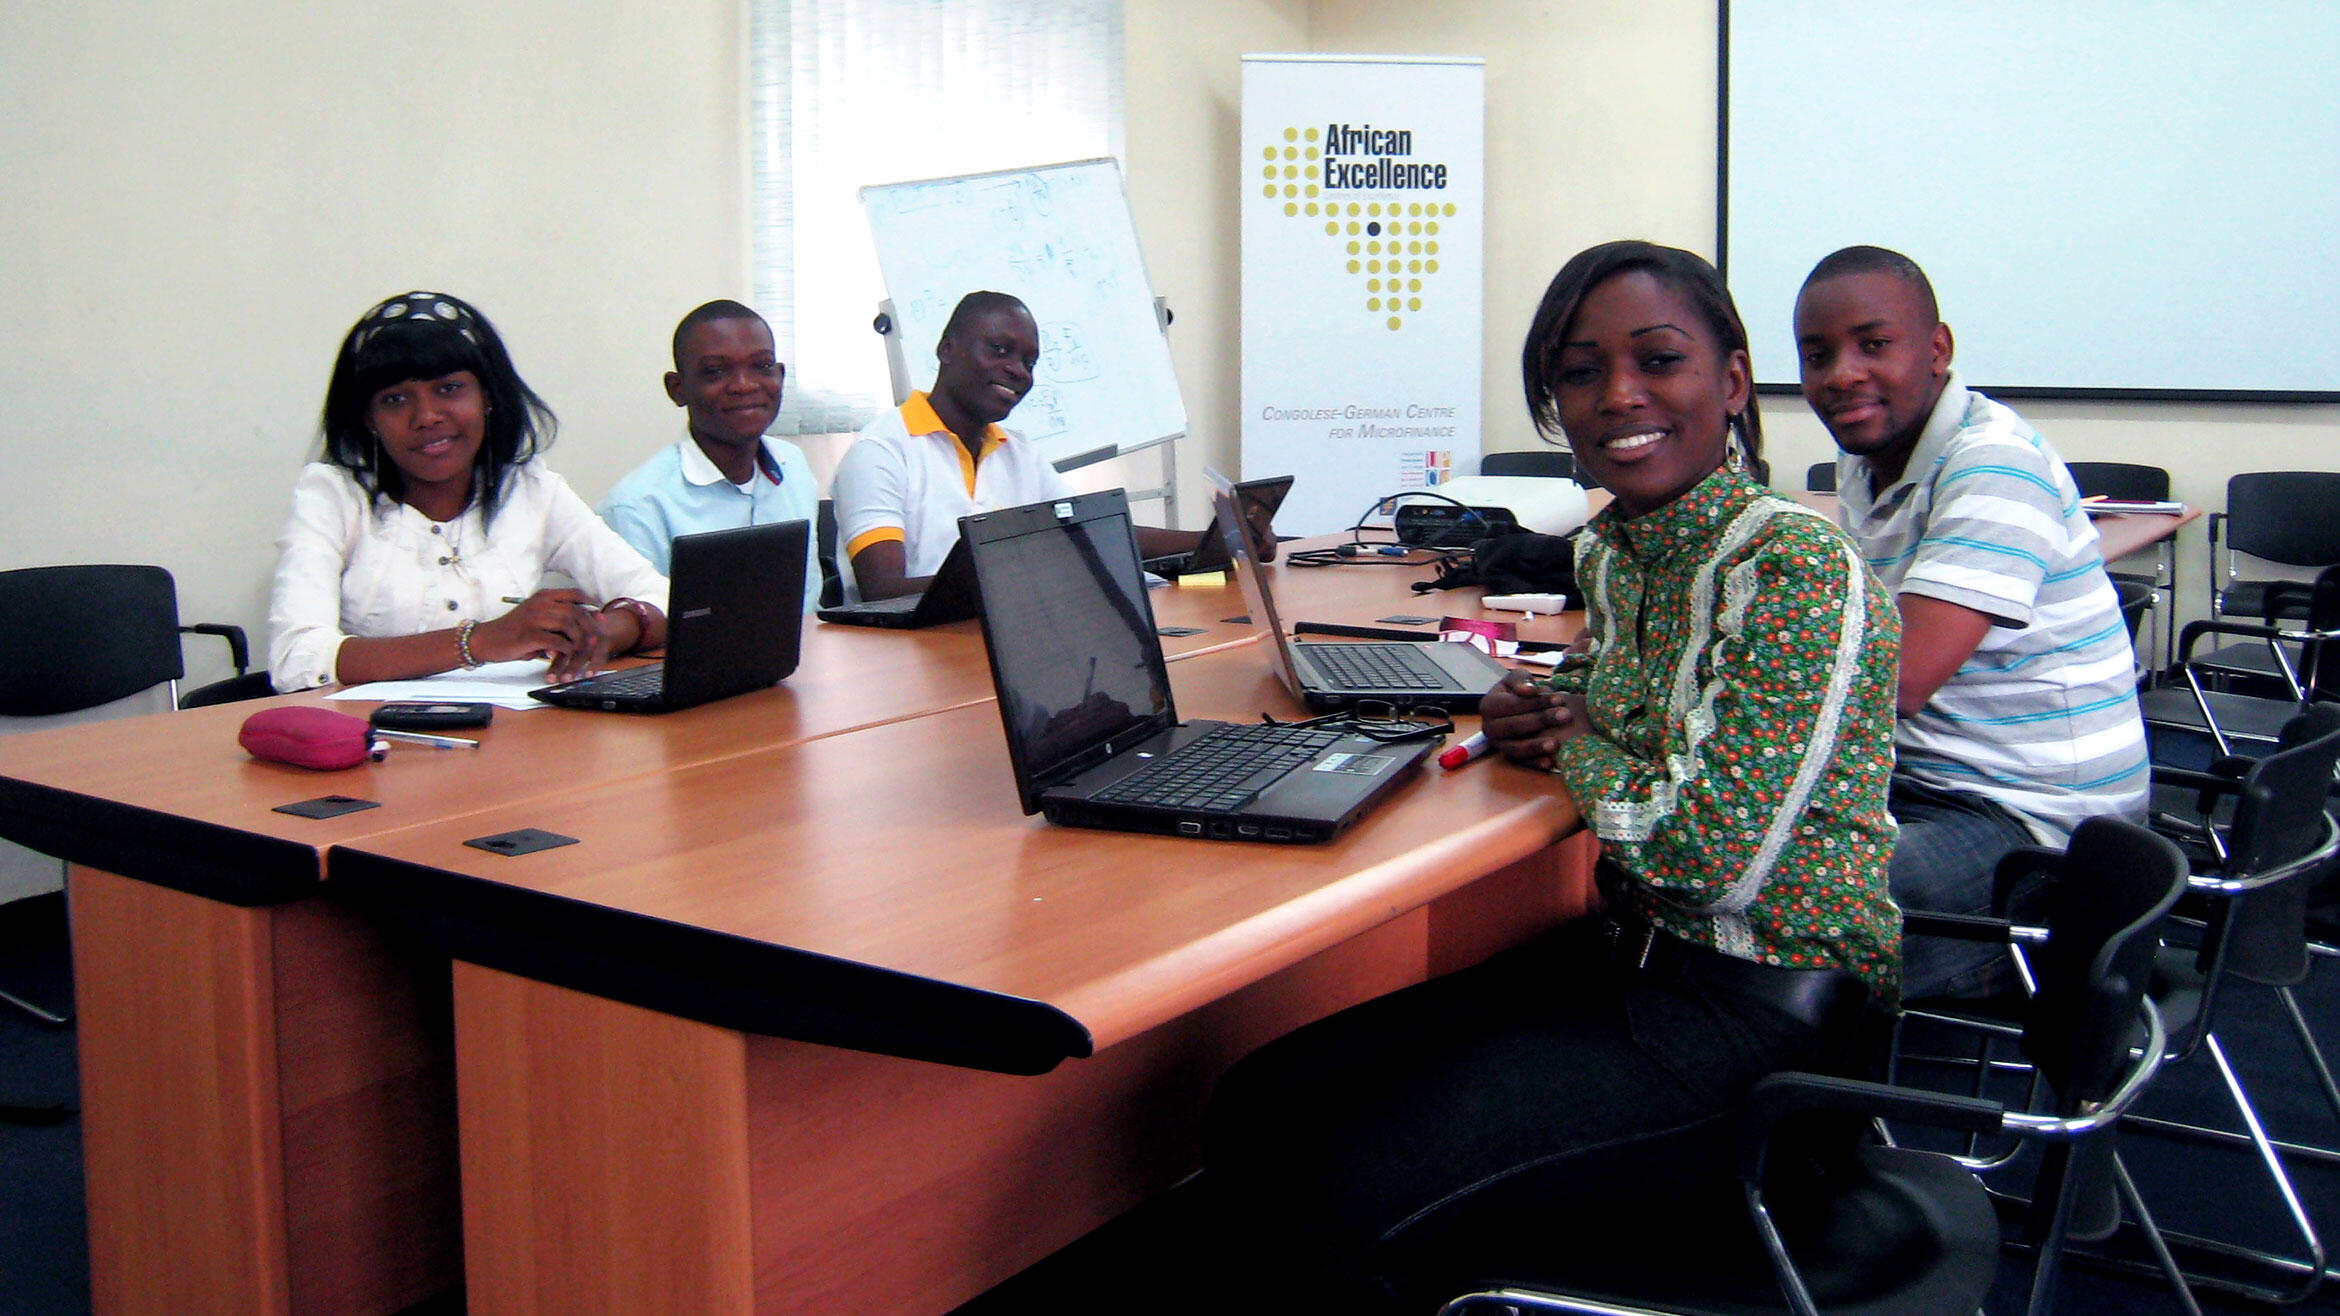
[1727, 730]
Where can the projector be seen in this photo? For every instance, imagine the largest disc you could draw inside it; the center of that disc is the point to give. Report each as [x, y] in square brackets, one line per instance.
[1496, 504]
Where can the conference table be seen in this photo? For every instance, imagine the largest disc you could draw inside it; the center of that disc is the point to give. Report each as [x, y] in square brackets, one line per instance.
[272, 1074]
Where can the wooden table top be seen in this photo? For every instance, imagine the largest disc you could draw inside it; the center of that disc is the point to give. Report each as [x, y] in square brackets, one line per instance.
[140, 796]
[172, 798]
[888, 883]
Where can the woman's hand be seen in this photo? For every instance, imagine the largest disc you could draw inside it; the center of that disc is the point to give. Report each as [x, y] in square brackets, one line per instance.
[1528, 721]
[555, 624]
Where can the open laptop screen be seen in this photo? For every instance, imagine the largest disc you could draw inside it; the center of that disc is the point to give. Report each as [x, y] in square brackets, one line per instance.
[1071, 634]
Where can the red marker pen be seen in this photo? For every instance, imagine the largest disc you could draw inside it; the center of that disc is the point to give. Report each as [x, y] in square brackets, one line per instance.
[1474, 748]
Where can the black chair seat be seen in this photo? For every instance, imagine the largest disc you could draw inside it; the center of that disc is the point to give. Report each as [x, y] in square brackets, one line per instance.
[2247, 598]
[1893, 1232]
[2171, 710]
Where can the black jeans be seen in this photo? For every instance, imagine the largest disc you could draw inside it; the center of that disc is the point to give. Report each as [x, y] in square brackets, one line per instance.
[1372, 1155]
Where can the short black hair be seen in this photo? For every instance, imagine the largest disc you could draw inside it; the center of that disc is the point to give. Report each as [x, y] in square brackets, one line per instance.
[1685, 272]
[974, 304]
[388, 346]
[1877, 260]
[722, 308]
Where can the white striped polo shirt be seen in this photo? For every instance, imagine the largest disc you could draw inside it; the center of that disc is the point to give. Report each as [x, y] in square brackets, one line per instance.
[2042, 718]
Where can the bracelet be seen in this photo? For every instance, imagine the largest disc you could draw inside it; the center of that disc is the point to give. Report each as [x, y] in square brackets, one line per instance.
[641, 613]
[463, 631]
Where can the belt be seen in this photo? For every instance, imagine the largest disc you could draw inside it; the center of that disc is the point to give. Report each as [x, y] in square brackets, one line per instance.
[1817, 997]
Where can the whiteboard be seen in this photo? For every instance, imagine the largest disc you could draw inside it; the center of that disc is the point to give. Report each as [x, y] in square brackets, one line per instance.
[2111, 197]
[1060, 238]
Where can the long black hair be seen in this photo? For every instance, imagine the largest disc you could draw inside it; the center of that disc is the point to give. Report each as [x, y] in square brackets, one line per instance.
[422, 336]
[1685, 272]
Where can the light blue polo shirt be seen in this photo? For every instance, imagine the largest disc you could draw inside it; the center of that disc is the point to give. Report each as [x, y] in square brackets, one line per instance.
[680, 492]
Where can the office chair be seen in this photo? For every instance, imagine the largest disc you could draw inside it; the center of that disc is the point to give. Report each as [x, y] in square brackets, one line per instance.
[1556, 463]
[83, 637]
[2305, 659]
[1884, 1229]
[1820, 477]
[2291, 517]
[2270, 668]
[2257, 835]
[2138, 483]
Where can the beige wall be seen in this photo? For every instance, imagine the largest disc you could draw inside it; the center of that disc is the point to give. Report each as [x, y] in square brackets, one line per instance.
[200, 199]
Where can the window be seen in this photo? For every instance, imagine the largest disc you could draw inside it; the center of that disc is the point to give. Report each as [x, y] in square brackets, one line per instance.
[847, 93]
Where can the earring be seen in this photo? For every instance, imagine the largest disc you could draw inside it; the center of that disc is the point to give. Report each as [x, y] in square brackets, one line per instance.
[1734, 453]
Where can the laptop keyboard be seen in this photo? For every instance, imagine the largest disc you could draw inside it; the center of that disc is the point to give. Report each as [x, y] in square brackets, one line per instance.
[1223, 770]
[1377, 666]
[632, 683]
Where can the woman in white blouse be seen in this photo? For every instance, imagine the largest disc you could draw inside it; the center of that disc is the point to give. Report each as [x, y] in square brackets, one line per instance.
[430, 512]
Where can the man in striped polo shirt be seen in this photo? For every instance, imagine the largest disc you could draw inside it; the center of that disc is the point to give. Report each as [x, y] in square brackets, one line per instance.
[2018, 704]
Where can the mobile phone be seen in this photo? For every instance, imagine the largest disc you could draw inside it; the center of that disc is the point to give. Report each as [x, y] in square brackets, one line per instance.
[432, 717]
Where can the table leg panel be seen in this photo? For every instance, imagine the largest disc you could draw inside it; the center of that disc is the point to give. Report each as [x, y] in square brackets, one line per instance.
[605, 1157]
[895, 1185]
[180, 1114]
[367, 1082]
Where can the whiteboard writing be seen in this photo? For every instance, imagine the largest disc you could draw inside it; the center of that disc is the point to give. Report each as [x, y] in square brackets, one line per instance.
[1060, 238]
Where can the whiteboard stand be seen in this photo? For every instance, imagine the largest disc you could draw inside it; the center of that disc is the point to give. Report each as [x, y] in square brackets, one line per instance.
[889, 327]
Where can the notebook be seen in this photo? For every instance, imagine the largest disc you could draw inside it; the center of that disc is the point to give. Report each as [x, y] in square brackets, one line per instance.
[1258, 500]
[1084, 697]
[734, 621]
[949, 596]
[1335, 675]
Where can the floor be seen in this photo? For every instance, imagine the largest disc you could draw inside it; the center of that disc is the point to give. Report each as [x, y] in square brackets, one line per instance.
[44, 1261]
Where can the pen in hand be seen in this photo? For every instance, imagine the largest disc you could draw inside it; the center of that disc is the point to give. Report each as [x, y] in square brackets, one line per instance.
[517, 598]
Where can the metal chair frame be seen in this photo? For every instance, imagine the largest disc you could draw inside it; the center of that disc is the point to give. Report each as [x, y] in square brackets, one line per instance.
[2258, 838]
[2308, 677]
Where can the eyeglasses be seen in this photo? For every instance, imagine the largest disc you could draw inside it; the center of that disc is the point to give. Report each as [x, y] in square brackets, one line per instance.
[1383, 720]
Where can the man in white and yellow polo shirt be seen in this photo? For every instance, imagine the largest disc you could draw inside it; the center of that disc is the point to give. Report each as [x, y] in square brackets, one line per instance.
[941, 455]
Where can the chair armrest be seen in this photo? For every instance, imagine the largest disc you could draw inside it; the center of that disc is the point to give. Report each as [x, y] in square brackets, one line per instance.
[2224, 778]
[2283, 872]
[239, 650]
[1780, 1096]
[1957, 927]
[2247, 630]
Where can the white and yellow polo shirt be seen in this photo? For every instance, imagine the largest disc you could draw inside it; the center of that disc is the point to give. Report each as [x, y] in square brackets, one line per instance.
[907, 477]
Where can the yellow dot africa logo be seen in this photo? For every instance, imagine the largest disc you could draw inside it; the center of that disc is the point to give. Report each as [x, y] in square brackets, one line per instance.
[1389, 246]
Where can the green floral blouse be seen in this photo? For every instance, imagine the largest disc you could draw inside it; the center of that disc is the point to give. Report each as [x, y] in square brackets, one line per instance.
[1740, 680]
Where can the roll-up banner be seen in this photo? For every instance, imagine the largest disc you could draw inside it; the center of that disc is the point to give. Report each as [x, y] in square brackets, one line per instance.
[1363, 183]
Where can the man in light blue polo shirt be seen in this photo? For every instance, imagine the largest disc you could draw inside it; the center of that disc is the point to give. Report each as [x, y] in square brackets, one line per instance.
[725, 473]
[2017, 712]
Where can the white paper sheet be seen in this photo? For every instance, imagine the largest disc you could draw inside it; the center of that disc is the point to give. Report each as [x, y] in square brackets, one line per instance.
[505, 685]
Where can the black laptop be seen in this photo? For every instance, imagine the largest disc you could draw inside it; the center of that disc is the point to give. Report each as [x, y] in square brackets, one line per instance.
[1258, 501]
[949, 596]
[1084, 697]
[1433, 674]
[734, 623]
